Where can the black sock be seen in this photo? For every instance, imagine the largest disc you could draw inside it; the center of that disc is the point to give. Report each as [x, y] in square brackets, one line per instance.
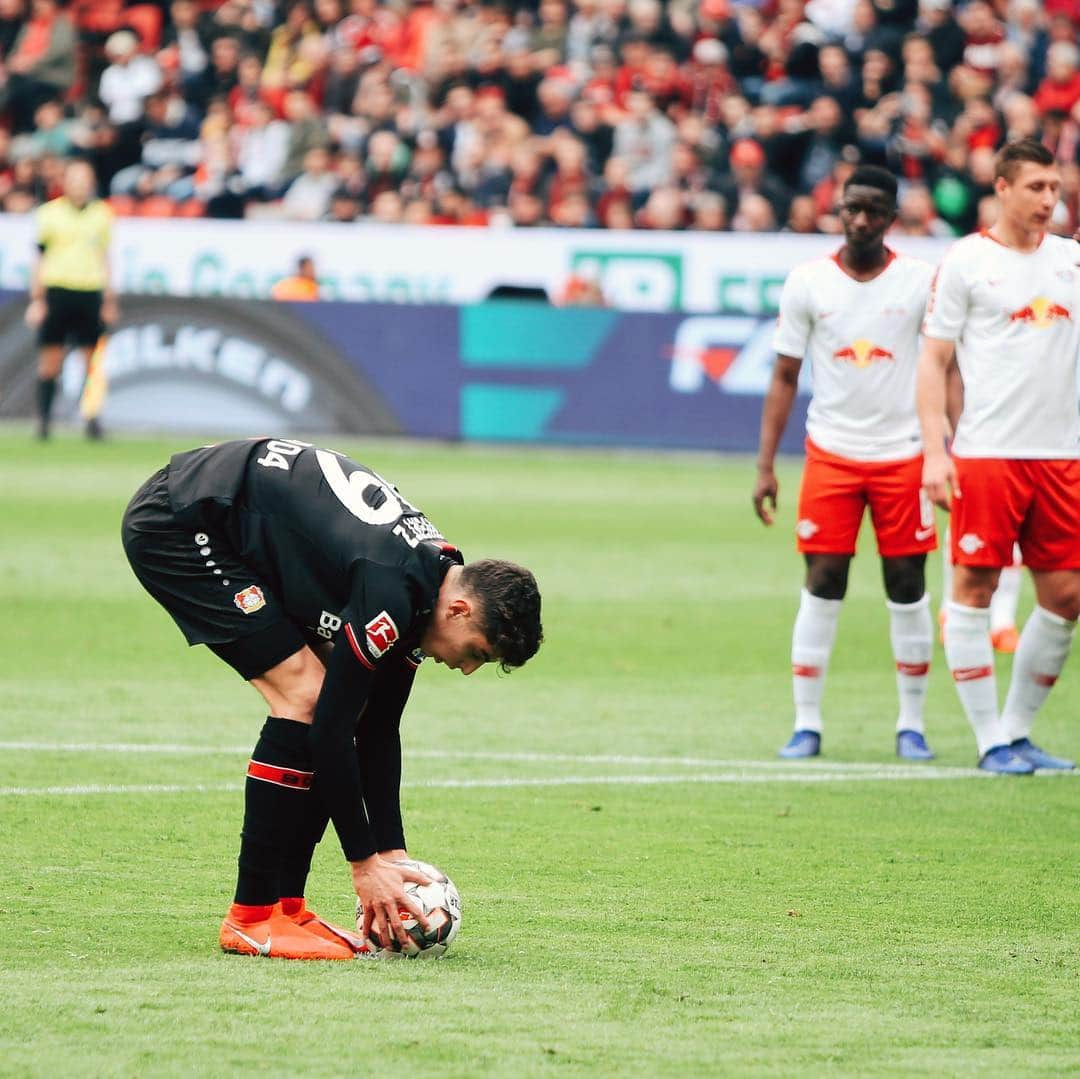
[275, 796]
[46, 391]
[301, 845]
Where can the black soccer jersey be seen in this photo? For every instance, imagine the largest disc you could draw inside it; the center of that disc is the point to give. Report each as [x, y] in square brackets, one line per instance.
[341, 549]
[348, 559]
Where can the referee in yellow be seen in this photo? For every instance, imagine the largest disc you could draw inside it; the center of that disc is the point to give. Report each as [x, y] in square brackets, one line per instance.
[70, 297]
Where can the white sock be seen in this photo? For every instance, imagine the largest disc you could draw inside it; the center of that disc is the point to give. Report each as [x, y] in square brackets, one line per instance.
[1005, 599]
[811, 647]
[946, 571]
[912, 638]
[971, 660]
[1042, 651]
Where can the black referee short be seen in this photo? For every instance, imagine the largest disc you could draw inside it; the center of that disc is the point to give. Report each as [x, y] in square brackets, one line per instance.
[71, 316]
[209, 592]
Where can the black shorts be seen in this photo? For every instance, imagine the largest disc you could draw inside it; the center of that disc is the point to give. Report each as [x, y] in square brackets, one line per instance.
[71, 316]
[209, 592]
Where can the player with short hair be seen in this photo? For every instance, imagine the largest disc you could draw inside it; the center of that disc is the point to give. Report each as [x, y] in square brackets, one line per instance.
[316, 581]
[855, 316]
[1007, 302]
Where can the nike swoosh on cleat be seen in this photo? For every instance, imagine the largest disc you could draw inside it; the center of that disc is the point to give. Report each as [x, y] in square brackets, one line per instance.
[261, 949]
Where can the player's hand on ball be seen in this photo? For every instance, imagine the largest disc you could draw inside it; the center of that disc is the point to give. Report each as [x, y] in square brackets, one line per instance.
[410, 870]
[379, 884]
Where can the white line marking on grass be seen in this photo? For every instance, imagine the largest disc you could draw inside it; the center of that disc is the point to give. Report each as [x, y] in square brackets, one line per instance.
[819, 776]
[123, 788]
[479, 755]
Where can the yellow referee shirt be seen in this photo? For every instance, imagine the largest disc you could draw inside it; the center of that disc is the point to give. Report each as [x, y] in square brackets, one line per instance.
[74, 244]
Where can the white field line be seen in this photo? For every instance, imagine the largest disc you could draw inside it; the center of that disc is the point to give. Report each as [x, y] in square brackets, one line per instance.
[479, 755]
[820, 776]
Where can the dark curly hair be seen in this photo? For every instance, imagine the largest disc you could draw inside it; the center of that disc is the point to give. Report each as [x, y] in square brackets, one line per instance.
[509, 608]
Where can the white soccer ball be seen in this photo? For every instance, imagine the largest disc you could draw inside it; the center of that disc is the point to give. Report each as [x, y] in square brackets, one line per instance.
[441, 904]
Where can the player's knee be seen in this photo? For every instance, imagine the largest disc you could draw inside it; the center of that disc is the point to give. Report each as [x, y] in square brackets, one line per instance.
[972, 591]
[1065, 602]
[827, 579]
[294, 685]
[905, 581]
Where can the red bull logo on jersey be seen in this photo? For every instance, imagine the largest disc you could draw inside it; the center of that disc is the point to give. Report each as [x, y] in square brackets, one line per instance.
[1040, 313]
[862, 353]
[250, 599]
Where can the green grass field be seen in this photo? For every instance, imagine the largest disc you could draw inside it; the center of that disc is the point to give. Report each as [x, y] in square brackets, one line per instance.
[647, 891]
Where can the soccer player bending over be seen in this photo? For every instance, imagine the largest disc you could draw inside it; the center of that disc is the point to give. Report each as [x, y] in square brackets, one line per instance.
[317, 582]
[855, 316]
[1007, 301]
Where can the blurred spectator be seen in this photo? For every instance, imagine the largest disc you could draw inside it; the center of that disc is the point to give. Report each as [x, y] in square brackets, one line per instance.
[41, 63]
[1060, 90]
[170, 151]
[645, 140]
[128, 80]
[754, 213]
[916, 214]
[802, 215]
[12, 17]
[261, 152]
[749, 177]
[308, 196]
[303, 285]
[581, 291]
[709, 213]
[185, 42]
[296, 47]
[53, 134]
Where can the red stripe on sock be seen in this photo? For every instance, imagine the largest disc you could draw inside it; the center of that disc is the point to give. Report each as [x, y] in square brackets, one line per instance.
[914, 669]
[283, 777]
[1046, 680]
[970, 674]
[801, 670]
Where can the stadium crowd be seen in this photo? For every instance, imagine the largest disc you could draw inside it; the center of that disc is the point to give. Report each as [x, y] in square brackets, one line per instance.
[698, 114]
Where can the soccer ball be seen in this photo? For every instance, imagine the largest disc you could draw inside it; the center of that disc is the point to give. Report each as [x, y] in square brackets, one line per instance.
[439, 900]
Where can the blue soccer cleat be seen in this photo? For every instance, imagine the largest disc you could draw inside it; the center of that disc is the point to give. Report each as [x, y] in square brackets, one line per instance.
[1002, 761]
[911, 745]
[1039, 758]
[801, 744]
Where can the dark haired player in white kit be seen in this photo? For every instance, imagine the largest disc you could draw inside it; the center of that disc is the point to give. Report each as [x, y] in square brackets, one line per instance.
[855, 315]
[317, 582]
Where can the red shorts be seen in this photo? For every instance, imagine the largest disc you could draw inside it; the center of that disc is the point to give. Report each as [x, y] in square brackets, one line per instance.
[835, 492]
[1034, 503]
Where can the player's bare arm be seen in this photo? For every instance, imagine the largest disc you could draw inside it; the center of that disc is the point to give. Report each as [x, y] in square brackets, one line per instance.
[954, 396]
[35, 311]
[939, 475]
[774, 417]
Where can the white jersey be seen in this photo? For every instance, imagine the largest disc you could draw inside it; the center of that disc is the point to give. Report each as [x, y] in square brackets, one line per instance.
[862, 341]
[1015, 319]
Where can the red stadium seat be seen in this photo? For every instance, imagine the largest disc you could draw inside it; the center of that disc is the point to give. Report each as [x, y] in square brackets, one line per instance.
[145, 20]
[156, 206]
[122, 205]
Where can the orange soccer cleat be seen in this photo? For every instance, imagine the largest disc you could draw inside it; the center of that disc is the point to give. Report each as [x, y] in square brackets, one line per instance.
[266, 931]
[1005, 640]
[297, 911]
